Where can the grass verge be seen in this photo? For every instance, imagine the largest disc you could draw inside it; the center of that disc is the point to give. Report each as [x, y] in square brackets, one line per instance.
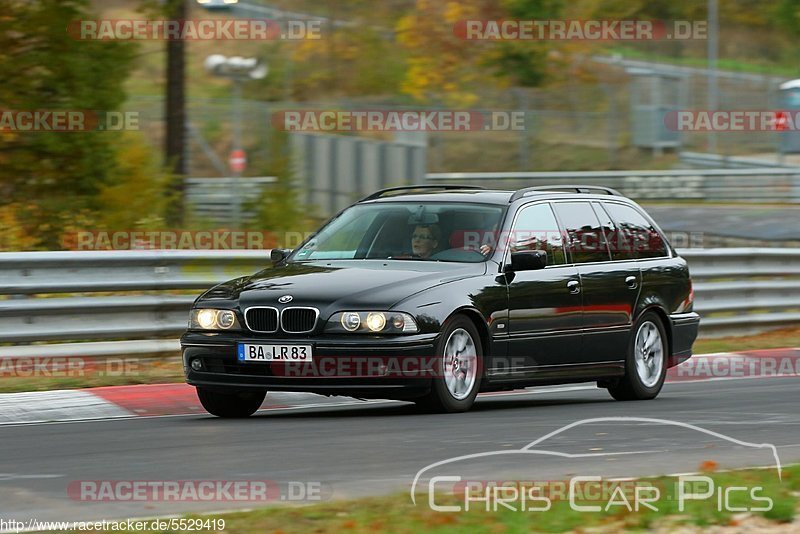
[775, 339]
[45, 374]
[396, 513]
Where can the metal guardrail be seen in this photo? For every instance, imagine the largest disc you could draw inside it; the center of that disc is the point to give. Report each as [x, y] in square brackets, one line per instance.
[694, 160]
[670, 68]
[58, 296]
[745, 290]
[723, 185]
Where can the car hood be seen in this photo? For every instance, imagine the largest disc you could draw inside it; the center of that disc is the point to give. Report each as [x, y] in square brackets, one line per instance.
[354, 284]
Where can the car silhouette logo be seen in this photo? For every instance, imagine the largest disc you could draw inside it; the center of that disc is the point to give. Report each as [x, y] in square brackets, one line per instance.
[286, 298]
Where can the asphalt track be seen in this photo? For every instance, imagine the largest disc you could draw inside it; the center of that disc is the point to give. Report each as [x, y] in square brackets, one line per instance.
[357, 449]
[757, 223]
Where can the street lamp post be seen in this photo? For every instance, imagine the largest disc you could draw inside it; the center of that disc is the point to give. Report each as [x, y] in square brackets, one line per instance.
[238, 70]
[713, 51]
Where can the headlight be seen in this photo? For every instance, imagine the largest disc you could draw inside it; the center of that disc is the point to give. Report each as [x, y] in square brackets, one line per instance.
[376, 321]
[372, 322]
[208, 319]
[351, 321]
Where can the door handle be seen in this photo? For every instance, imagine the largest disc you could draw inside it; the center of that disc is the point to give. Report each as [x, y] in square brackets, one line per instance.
[574, 287]
[632, 282]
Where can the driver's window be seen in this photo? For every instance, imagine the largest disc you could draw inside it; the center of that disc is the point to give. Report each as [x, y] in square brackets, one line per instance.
[536, 229]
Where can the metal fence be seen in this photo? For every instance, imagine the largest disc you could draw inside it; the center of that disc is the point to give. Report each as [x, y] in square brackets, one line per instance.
[334, 170]
[218, 199]
[60, 296]
[573, 114]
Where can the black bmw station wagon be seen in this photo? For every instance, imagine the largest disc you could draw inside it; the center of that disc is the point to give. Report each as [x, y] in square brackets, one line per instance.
[433, 294]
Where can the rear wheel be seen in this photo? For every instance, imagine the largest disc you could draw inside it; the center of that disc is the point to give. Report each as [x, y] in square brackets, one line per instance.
[459, 368]
[646, 362]
[230, 404]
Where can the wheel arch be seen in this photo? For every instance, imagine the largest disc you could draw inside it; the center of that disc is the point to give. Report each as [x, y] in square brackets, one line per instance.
[665, 322]
[480, 324]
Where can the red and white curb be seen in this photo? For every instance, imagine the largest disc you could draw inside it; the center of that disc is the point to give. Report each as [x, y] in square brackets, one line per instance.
[180, 399]
[147, 400]
[762, 363]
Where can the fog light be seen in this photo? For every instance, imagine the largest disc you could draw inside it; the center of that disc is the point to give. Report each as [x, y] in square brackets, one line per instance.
[376, 321]
[197, 364]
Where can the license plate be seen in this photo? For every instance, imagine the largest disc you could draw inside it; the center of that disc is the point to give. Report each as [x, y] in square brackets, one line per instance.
[274, 353]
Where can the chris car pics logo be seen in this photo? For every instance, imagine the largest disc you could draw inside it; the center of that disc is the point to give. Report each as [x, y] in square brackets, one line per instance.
[448, 490]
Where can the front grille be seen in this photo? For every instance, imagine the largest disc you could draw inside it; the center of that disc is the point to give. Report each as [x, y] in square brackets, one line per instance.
[262, 319]
[298, 320]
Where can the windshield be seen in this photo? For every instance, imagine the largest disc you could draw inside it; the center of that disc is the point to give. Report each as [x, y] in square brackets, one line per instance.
[432, 231]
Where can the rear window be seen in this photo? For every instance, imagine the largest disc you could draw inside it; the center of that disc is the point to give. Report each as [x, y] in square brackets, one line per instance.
[634, 233]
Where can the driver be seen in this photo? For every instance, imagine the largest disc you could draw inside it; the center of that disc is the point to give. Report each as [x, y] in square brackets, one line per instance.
[425, 240]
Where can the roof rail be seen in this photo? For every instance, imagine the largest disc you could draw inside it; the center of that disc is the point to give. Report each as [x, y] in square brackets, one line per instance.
[382, 192]
[575, 188]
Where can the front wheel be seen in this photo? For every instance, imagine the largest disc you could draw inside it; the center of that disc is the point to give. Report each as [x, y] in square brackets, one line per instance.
[230, 405]
[646, 362]
[459, 368]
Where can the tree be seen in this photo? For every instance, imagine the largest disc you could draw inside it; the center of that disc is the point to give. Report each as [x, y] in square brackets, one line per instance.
[524, 63]
[44, 68]
[441, 67]
[787, 16]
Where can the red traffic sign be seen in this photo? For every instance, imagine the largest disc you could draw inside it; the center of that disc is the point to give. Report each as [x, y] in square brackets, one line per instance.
[237, 160]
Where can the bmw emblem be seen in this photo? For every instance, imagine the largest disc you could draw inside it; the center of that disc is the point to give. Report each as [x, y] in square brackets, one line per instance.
[286, 298]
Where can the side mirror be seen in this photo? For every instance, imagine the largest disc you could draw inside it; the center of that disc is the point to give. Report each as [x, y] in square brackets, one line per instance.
[527, 260]
[277, 255]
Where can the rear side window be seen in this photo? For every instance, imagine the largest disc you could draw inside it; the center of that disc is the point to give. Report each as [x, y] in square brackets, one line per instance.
[536, 229]
[618, 244]
[585, 240]
[635, 232]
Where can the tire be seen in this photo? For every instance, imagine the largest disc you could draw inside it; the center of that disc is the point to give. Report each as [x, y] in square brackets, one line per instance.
[456, 384]
[646, 361]
[230, 405]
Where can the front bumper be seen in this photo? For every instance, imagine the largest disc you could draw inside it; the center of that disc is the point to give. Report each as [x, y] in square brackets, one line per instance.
[684, 332]
[368, 367]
